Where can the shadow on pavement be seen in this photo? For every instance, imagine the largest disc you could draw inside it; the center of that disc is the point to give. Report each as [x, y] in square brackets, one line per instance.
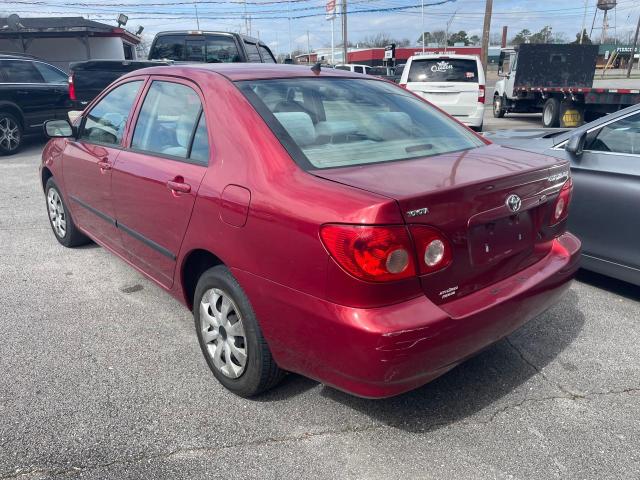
[610, 284]
[477, 383]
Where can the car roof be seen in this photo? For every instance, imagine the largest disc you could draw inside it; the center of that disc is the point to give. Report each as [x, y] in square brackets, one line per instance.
[430, 56]
[245, 71]
[208, 32]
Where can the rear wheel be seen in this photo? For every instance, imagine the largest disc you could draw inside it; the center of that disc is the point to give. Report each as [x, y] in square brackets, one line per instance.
[551, 113]
[59, 218]
[10, 134]
[498, 107]
[229, 335]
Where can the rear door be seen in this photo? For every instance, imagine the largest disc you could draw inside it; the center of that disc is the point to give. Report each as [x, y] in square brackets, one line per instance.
[604, 212]
[452, 84]
[57, 80]
[155, 180]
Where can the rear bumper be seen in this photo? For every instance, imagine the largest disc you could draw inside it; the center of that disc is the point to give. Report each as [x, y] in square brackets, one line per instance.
[385, 351]
[473, 117]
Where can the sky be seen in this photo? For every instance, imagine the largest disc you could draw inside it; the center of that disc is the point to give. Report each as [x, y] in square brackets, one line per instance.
[397, 18]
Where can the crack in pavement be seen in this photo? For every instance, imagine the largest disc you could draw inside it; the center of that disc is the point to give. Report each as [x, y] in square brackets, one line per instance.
[74, 470]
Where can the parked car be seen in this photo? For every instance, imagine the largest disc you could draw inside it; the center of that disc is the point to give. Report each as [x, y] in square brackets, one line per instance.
[605, 166]
[323, 223]
[88, 78]
[387, 73]
[31, 92]
[454, 83]
[355, 68]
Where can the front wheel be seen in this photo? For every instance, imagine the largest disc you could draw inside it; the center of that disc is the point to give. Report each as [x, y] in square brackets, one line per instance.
[229, 335]
[59, 218]
[498, 107]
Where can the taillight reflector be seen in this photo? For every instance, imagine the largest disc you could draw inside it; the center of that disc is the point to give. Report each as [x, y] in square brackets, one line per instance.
[433, 248]
[561, 206]
[371, 253]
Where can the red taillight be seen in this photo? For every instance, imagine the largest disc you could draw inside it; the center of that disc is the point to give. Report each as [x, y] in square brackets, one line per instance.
[72, 89]
[433, 249]
[403, 85]
[382, 254]
[481, 93]
[372, 253]
[561, 206]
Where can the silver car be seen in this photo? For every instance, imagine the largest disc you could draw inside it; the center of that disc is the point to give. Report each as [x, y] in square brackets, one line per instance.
[605, 165]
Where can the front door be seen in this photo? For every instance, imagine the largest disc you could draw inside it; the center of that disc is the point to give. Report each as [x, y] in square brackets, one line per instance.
[605, 213]
[89, 161]
[156, 180]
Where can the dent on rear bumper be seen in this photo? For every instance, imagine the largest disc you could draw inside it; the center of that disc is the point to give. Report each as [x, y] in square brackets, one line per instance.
[385, 351]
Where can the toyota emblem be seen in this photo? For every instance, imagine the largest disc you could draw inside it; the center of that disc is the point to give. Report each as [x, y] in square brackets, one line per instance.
[513, 203]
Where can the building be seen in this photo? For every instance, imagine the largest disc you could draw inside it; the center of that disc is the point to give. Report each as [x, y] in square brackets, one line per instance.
[622, 52]
[61, 40]
[375, 56]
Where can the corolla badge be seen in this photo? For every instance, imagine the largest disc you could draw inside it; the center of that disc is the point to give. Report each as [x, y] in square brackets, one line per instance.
[513, 203]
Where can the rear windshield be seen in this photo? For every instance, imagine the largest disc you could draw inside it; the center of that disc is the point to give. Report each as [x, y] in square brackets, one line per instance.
[334, 122]
[196, 48]
[443, 70]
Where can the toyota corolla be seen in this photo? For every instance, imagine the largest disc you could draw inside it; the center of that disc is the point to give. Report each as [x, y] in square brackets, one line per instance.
[316, 222]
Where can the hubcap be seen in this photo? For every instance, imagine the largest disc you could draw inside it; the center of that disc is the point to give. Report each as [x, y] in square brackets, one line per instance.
[57, 214]
[9, 134]
[547, 115]
[223, 333]
[496, 105]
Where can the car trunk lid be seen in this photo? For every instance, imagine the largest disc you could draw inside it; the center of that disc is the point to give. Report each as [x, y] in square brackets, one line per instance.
[464, 195]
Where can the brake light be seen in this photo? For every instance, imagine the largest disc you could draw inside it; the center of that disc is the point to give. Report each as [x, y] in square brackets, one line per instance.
[481, 93]
[561, 207]
[72, 89]
[372, 253]
[433, 248]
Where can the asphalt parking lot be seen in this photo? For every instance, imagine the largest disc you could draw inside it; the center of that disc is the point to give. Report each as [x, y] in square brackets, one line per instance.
[101, 377]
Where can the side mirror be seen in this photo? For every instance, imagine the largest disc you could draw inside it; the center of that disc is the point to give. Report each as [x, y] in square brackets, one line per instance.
[575, 144]
[58, 128]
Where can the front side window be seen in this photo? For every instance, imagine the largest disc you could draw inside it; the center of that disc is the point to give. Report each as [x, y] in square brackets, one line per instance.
[106, 121]
[333, 122]
[20, 71]
[443, 70]
[167, 120]
[221, 49]
[622, 136]
[50, 74]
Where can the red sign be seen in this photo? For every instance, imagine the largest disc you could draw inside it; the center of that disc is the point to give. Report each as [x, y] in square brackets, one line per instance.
[331, 9]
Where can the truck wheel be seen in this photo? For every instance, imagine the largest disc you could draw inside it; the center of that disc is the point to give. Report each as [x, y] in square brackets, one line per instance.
[551, 113]
[498, 107]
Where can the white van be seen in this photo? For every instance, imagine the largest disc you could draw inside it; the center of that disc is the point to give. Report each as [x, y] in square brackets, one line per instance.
[353, 67]
[454, 83]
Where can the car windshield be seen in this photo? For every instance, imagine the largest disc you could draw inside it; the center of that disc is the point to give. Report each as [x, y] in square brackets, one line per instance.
[443, 70]
[333, 122]
[196, 48]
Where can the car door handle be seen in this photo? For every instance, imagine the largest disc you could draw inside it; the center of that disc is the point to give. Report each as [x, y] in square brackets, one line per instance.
[104, 165]
[178, 187]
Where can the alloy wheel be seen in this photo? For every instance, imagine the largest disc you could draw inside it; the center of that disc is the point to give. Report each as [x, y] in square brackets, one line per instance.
[223, 333]
[496, 106]
[57, 215]
[9, 134]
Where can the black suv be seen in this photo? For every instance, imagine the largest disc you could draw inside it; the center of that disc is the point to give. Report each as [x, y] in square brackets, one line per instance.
[31, 92]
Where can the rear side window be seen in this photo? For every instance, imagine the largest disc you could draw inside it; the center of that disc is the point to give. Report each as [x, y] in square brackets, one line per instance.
[50, 74]
[168, 119]
[333, 122]
[443, 70]
[343, 67]
[171, 47]
[20, 71]
[266, 54]
[358, 69]
[106, 121]
[221, 49]
[252, 52]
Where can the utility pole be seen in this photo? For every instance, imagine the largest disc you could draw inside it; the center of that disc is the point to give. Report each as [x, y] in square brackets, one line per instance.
[584, 21]
[308, 49]
[485, 33]
[633, 49]
[344, 32]
[422, 14]
[289, 14]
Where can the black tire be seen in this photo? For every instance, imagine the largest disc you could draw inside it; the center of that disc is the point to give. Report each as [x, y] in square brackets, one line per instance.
[260, 370]
[498, 107]
[551, 113]
[72, 237]
[478, 128]
[11, 134]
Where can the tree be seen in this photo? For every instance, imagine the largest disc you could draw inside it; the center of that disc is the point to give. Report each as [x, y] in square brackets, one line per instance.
[437, 37]
[521, 37]
[475, 40]
[377, 40]
[543, 36]
[585, 38]
[460, 37]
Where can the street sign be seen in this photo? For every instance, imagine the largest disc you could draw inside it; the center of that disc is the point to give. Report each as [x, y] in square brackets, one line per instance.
[331, 9]
[390, 52]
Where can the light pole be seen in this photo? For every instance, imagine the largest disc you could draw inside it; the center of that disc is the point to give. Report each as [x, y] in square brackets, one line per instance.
[422, 10]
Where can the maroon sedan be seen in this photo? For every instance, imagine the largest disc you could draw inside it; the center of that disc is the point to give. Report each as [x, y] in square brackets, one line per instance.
[322, 223]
